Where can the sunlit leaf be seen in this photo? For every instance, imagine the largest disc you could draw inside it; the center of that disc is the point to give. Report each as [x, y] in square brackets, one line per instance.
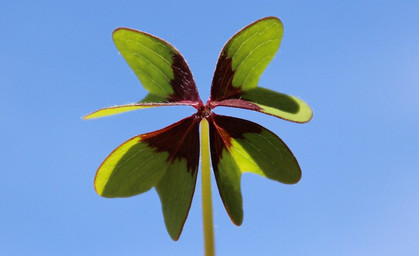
[125, 108]
[166, 159]
[239, 146]
[160, 67]
[240, 65]
[244, 58]
[273, 103]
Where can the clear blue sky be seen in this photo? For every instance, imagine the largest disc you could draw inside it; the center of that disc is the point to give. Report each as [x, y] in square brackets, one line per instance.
[355, 62]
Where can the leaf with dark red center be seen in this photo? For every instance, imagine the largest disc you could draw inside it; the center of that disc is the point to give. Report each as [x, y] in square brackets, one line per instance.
[161, 69]
[239, 67]
[272, 103]
[239, 146]
[166, 159]
[244, 58]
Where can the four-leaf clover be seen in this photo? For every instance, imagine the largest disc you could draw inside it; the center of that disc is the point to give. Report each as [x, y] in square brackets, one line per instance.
[168, 159]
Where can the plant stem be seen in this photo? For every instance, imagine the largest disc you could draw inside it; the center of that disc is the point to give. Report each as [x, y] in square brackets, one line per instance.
[206, 191]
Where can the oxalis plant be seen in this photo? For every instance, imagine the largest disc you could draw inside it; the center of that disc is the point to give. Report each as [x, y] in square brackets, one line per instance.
[168, 159]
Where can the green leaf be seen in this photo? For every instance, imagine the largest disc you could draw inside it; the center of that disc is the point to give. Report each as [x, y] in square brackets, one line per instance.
[166, 159]
[160, 67]
[245, 57]
[128, 107]
[116, 110]
[131, 169]
[239, 146]
[176, 189]
[252, 49]
[272, 103]
[240, 65]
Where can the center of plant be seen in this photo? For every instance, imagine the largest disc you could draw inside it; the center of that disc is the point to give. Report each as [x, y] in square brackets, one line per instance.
[204, 111]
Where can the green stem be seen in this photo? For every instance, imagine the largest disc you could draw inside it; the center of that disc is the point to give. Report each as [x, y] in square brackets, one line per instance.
[206, 191]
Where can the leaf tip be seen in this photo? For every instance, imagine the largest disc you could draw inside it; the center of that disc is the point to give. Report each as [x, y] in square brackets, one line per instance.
[86, 117]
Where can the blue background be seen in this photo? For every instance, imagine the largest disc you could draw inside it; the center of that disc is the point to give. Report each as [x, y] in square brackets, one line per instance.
[355, 62]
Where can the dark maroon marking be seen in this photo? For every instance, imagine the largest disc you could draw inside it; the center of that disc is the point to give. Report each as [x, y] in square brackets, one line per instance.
[222, 129]
[217, 145]
[183, 84]
[222, 87]
[236, 103]
[180, 140]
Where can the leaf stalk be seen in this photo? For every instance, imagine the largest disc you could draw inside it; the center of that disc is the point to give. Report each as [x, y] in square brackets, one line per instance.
[206, 191]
